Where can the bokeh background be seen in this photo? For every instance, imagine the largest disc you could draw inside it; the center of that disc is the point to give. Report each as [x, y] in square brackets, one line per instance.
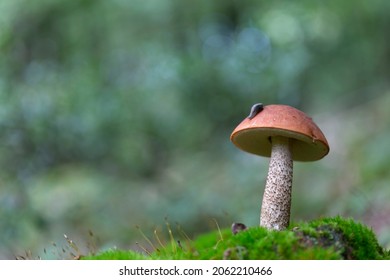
[117, 114]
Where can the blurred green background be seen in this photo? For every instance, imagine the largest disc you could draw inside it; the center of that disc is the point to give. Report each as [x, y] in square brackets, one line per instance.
[118, 113]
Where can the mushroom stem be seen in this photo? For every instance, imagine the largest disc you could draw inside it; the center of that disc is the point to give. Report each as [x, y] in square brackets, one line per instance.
[275, 209]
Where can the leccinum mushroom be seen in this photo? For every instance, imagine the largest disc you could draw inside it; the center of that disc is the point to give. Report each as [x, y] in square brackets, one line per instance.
[284, 134]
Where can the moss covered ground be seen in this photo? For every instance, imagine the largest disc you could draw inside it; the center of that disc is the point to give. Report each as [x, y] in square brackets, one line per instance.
[323, 239]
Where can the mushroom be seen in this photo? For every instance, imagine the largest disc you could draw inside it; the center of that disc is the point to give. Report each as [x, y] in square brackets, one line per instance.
[284, 134]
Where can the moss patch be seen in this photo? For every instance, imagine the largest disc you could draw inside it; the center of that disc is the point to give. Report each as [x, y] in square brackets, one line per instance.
[323, 239]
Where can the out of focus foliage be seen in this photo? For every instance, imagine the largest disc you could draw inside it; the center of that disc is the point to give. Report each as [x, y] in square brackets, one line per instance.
[118, 113]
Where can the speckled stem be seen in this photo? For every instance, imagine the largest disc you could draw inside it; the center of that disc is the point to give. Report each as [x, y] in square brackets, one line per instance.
[275, 209]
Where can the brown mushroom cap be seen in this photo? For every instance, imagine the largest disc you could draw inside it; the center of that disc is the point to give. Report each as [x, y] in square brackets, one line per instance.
[308, 143]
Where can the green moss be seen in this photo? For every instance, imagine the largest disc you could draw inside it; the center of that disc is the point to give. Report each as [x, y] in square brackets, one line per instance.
[116, 255]
[324, 239]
